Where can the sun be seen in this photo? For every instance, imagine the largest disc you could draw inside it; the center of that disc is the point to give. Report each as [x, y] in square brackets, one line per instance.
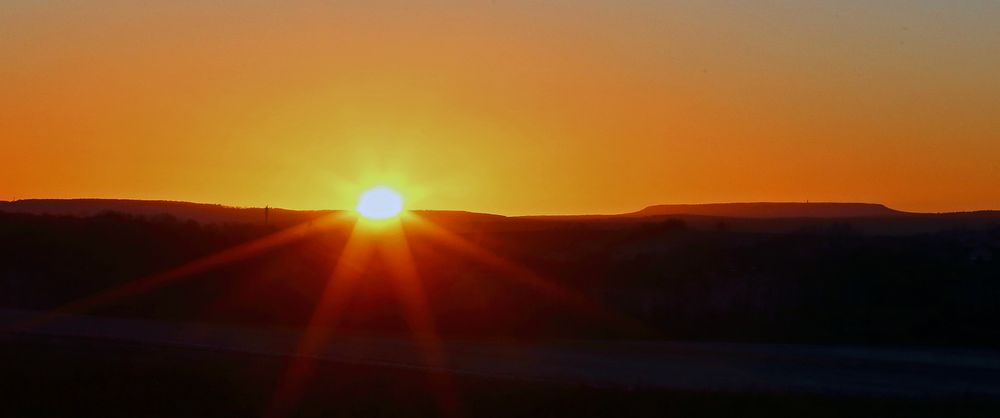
[380, 203]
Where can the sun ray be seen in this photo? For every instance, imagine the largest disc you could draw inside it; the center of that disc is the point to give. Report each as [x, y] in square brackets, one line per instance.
[329, 308]
[395, 251]
[158, 280]
[521, 274]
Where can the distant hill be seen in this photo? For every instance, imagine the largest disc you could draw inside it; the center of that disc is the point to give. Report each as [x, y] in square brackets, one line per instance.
[200, 212]
[782, 217]
[762, 216]
[203, 212]
[750, 210]
[773, 210]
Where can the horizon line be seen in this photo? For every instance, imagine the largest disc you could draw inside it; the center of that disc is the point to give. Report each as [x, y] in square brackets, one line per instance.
[530, 215]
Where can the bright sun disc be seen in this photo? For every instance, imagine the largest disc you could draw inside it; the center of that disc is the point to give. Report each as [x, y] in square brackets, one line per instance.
[380, 203]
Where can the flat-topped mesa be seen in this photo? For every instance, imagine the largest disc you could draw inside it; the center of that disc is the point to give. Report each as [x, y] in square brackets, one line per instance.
[773, 210]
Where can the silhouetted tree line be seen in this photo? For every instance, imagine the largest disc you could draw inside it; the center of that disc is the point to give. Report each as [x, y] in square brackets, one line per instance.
[818, 285]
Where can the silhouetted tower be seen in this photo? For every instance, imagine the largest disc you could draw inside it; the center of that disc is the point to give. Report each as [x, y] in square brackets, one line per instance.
[267, 212]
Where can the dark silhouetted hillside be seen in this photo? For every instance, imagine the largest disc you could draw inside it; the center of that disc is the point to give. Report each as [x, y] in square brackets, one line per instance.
[748, 217]
[828, 284]
[858, 218]
[205, 213]
[200, 212]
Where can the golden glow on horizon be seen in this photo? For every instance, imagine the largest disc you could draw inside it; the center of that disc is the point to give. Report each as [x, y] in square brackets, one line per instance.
[491, 107]
[380, 203]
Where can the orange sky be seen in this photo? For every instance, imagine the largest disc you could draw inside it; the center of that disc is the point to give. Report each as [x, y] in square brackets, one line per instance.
[505, 107]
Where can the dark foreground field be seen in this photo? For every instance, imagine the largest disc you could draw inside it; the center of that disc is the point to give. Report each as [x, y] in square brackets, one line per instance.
[57, 377]
[889, 315]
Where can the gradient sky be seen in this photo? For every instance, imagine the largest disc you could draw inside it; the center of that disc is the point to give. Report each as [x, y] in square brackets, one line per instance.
[513, 107]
